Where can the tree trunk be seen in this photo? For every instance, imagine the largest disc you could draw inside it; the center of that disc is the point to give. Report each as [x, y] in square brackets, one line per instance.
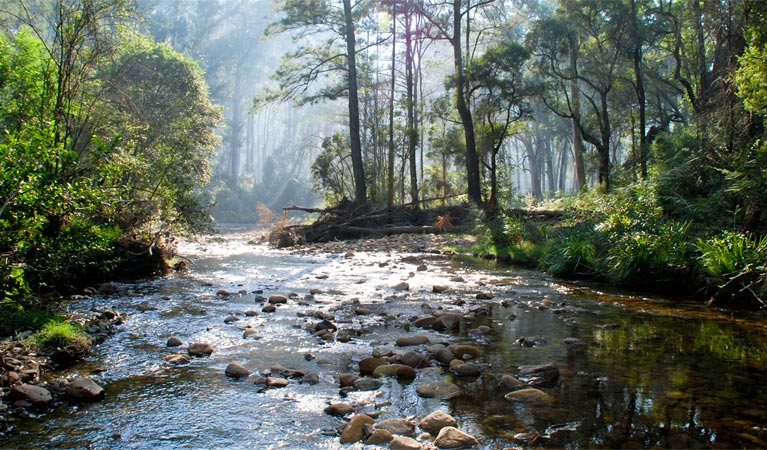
[358, 169]
[390, 166]
[578, 150]
[472, 159]
[640, 90]
[412, 133]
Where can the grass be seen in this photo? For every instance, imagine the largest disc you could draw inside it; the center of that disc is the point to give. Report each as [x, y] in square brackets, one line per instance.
[60, 334]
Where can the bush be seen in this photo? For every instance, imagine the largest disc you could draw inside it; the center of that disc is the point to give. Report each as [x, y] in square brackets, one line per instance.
[60, 334]
[735, 264]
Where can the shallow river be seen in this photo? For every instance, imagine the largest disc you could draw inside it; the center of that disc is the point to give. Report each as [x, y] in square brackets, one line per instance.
[650, 372]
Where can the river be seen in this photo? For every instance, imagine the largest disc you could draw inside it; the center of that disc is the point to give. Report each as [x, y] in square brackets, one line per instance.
[646, 371]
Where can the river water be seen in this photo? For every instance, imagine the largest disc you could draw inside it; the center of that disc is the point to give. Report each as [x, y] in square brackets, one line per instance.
[651, 372]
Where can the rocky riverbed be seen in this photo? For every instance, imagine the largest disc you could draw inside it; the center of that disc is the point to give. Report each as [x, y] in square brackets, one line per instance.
[391, 343]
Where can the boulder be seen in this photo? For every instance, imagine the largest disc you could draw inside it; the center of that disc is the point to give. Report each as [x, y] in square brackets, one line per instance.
[354, 431]
[468, 370]
[368, 365]
[438, 389]
[235, 370]
[249, 332]
[174, 342]
[367, 384]
[447, 322]
[277, 382]
[451, 437]
[414, 360]
[379, 437]
[437, 421]
[543, 375]
[403, 286]
[277, 299]
[404, 443]
[438, 289]
[347, 379]
[397, 426]
[511, 383]
[199, 349]
[83, 389]
[529, 395]
[37, 396]
[339, 409]
[415, 339]
[464, 352]
[177, 359]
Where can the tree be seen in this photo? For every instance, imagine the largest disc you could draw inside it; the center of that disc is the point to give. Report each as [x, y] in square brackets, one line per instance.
[303, 67]
[157, 101]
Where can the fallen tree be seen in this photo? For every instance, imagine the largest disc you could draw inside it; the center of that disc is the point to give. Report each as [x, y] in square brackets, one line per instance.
[350, 220]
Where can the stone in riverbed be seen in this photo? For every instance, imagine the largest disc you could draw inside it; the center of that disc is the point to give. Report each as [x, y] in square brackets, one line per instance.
[177, 359]
[235, 370]
[231, 318]
[511, 383]
[379, 437]
[367, 384]
[414, 360]
[529, 395]
[83, 389]
[451, 437]
[347, 379]
[199, 349]
[37, 396]
[437, 421]
[339, 409]
[438, 389]
[404, 443]
[447, 322]
[247, 332]
[387, 370]
[468, 370]
[397, 426]
[269, 309]
[277, 382]
[416, 339]
[174, 342]
[424, 322]
[544, 375]
[464, 351]
[354, 429]
[403, 286]
[277, 299]
[438, 289]
[368, 365]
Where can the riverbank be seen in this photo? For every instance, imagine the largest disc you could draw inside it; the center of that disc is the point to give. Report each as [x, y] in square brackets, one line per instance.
[256, 347]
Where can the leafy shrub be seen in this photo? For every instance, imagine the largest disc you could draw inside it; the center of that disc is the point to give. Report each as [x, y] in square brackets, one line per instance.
[736, 264]
[61, 334]
[574, 252]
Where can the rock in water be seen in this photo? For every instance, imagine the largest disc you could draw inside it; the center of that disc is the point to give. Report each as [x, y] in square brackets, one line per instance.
[437, 421]
[438, 389]
[354, 430]
[416, 339]
[451, 437]
[200, 349]
[235, 370]
[36, 395]
[529, 395]
[84, 389]
[404, 443]
[174, 342]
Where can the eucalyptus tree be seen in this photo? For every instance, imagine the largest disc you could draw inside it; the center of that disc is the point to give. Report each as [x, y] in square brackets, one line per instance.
[324, 32]
[580, 89]
[451, 20]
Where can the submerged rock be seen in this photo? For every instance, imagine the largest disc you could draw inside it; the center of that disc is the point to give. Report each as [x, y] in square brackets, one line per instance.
[529, 395]
[404, 443]
[544, 375]
[37, 396]
[354, 431]
[437, 421]
[84, 389]
[416, 339]
[438, 389]
[199, 349]
[339, 409]
[174, 342]
[235, 370]
[451, 437]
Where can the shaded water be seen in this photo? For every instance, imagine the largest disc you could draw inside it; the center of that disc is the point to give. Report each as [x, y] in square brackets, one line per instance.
[652, 373]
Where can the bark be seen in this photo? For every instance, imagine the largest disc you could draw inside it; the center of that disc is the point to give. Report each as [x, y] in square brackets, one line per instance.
[360, 188]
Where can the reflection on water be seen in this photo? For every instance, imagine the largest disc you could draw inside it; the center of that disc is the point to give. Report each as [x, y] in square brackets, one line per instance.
[649, 372]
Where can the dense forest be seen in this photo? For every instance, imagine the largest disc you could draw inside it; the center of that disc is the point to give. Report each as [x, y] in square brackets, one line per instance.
[637, 124]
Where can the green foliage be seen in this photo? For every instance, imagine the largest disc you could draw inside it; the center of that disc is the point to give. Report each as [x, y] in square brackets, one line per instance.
[573, 253]
[60, 334]
[735, 264]
[332, 169]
